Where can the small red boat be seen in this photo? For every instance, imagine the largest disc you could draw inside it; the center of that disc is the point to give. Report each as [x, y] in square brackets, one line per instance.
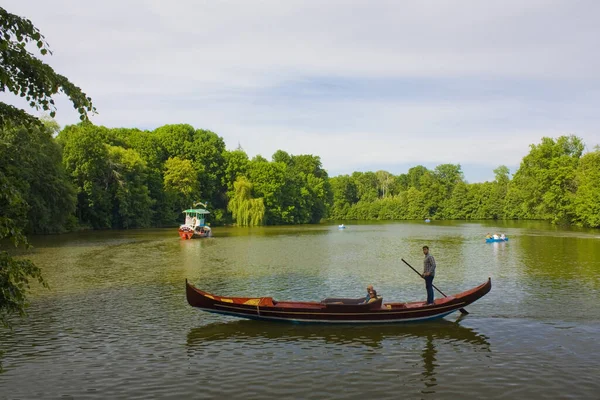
[186, 232]
[332, 310]
[195, 226]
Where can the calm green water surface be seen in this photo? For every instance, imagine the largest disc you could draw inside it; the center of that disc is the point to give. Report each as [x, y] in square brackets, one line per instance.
[115, 323]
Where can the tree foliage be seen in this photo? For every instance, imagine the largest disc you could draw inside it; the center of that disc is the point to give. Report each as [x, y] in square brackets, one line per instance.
[25, 75]
[587, 199]
[32, 160]
[15, 275]
[180, 183]
[37, 197]
[86, 160]
[246, 211]
[544, 186]
[555, 182]
[131, 202]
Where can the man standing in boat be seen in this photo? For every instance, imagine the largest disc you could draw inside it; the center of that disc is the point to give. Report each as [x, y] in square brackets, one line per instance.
[428, 273]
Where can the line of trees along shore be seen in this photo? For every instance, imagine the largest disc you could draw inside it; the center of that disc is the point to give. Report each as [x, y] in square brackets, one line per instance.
[95, 177]
[128, 178]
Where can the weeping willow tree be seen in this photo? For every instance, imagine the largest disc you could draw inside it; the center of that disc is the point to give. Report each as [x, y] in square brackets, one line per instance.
[245, 210]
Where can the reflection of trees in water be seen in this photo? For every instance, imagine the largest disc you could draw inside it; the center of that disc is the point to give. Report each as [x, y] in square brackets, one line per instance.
[560, 258]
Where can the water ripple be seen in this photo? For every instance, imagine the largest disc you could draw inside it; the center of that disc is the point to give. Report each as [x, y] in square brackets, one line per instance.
[116, 323]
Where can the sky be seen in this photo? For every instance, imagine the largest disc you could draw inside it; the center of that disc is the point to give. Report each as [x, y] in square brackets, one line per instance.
[365, 85]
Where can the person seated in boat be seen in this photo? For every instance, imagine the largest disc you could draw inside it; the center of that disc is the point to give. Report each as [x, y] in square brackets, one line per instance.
[496, 237]
[502, 236]
[371, 295]
[488, 236]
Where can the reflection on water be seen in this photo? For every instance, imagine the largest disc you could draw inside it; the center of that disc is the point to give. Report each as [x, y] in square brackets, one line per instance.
[371, 336]
[425, 338]
[429, 363]
[570, 259]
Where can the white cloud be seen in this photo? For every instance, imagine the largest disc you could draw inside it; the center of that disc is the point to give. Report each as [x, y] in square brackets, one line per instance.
[257, 73]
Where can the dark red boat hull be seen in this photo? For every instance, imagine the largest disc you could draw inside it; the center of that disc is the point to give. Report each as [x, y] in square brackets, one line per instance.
[188, 234]
[332, 310]
[185, 235]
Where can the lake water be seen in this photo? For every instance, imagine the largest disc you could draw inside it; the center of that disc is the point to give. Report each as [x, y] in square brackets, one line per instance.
[115, 322]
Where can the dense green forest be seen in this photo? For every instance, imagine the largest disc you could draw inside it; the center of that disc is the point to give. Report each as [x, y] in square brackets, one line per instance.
[555, 182]
[95, 177]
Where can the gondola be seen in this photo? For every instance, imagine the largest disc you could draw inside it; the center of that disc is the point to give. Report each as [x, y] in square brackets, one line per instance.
[332, 310]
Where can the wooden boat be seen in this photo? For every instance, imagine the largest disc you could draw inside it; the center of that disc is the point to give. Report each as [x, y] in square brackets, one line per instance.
[332, 310]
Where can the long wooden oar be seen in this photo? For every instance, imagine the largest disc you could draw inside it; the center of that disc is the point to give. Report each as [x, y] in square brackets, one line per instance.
[462, 310]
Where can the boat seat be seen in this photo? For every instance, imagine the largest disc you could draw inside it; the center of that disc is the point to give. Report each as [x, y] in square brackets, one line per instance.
[342, 301]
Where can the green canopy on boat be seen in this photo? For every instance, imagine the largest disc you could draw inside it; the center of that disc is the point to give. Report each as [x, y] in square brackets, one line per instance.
[196, 211]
